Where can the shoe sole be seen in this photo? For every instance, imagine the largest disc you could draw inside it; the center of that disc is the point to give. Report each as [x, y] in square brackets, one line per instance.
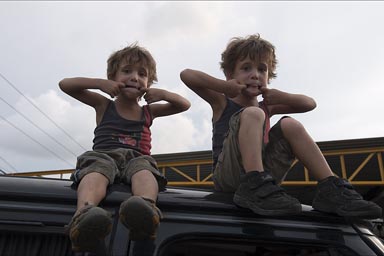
[239, 201]
[91, 231]
[372, 214]
[139, 217]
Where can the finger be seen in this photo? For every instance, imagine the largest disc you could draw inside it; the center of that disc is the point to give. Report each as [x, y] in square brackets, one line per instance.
[263, 89]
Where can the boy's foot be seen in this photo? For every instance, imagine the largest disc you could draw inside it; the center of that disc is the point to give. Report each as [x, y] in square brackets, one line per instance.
[88, 228]
[337, 195]
[259, 192]
[141, 216]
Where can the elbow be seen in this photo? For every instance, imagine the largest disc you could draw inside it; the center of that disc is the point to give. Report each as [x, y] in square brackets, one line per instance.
[186, 105]
[185, 75]
[311, 104]
[314, 104]
[62, 85]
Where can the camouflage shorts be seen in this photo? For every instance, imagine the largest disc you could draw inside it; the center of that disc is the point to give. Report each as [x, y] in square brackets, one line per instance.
[117, 165]
[277, 157]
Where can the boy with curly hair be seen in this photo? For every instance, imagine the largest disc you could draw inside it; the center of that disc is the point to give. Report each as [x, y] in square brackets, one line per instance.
[250, 158]
[121, 149]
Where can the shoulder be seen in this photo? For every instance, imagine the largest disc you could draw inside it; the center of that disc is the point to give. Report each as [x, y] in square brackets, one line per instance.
[102, 108]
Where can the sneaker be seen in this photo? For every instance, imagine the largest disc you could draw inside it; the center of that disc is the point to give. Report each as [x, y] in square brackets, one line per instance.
[88, 229]
[259, 192]
[337, 195]
[141, 216]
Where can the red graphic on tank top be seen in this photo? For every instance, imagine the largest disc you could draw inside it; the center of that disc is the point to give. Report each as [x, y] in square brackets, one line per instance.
[127, 140]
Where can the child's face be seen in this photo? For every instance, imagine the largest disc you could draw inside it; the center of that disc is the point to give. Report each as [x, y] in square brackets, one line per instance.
[135, 78]
[254, 74]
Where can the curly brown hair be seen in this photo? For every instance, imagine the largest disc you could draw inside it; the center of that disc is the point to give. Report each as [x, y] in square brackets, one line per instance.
[252, 46]
[132, 54]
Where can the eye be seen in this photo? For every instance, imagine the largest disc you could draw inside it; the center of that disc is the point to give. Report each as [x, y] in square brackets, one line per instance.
[263, 68]
[143, 73]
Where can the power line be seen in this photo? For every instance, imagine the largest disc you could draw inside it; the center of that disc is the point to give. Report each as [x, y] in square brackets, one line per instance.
[8, 163]
[58, 142]
[14, 87]
[26, 134]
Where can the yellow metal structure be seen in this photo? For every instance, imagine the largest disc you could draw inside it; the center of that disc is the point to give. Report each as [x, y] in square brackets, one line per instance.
[197, 172]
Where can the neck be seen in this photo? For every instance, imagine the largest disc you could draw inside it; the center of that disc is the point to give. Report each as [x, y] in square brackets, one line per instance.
[246, 101]
[127, 102]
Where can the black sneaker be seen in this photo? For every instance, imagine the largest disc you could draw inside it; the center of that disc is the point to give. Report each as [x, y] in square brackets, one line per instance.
[259, 192]
[337, 195]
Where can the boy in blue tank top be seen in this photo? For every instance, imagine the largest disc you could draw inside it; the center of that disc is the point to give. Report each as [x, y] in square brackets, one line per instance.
[121, 150]
[249, 158]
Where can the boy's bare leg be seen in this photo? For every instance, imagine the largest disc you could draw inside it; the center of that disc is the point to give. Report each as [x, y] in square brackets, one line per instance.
[91, 190]
[251, 138]
[144, 184]
[90, 225]
[257, 190]
[305, 149]
[333, 195]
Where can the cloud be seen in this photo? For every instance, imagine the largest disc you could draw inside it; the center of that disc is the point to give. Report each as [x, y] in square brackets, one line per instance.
[328, 50]
[177, 133]
[175, 21]
[41, 139]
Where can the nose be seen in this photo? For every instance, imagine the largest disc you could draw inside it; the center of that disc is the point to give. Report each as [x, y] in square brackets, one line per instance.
[255, 73]
[134, 76]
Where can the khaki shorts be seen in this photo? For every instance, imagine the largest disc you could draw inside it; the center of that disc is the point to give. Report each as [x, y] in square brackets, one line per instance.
[117, 165]
[277, 157]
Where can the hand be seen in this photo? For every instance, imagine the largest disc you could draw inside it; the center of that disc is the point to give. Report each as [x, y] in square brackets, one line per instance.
[153, 95]
[112, 88]
[271, 96]
[234, 88]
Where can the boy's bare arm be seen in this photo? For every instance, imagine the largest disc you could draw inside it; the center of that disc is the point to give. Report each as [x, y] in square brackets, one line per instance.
[280, 102]
[175, 103]
[79, 88]
[209, 88]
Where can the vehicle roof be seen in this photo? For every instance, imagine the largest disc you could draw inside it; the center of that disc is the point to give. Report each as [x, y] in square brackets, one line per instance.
[178, 199]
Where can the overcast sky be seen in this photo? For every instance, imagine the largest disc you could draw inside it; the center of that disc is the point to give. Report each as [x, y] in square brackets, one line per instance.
[331, 51]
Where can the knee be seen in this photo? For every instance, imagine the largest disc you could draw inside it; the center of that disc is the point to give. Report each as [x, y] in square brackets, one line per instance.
[142, 176]
[290, 125]
[253, 114]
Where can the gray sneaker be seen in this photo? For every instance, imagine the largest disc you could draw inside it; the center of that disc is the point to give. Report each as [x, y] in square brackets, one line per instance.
[259, 192]
[141, 216]
[337, 195]
[88, 229]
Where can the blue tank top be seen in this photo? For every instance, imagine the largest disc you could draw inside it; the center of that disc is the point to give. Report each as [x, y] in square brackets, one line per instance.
[221, 127]
[115, 131]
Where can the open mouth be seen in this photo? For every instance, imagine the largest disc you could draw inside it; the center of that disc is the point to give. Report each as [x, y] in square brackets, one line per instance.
[254, 85]
[131, 86]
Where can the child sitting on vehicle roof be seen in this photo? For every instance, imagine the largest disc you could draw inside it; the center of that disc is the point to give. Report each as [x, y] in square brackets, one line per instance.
[121, 149]
[249, 158]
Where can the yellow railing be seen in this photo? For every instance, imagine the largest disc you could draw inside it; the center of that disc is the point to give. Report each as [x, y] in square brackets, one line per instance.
[372, 152]
[196, 177]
